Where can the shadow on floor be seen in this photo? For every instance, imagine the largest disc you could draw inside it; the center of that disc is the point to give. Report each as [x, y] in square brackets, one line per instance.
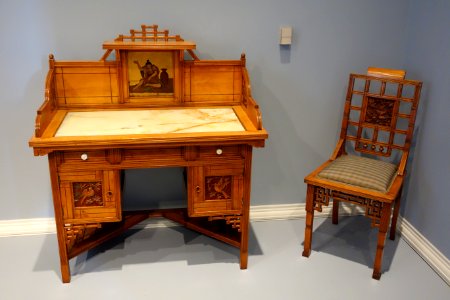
[353, 239]
[142, 246]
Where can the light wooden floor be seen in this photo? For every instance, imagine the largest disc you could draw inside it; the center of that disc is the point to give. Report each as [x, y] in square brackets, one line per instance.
[175, 263]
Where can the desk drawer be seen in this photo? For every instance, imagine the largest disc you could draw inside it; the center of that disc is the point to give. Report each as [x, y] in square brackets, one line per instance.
[220, 152]
[96, 156]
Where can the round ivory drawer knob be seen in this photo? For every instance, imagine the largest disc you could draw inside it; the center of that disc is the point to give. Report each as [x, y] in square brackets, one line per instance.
[219, 151]
[84, 156]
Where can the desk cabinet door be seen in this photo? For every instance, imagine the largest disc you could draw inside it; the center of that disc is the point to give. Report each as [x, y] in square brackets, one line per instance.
[90, 196]
[215, 190]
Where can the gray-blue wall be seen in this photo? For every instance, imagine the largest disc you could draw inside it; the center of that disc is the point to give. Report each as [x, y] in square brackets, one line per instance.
[427, 205]
[300, 89]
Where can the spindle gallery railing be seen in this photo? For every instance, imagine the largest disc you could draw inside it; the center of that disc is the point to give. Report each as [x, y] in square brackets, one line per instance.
[149, 33]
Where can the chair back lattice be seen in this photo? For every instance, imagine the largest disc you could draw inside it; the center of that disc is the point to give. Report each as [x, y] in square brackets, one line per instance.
[380, 112]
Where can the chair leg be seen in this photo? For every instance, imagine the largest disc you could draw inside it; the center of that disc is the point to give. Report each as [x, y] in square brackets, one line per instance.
[384, 225]
[335, 215]
[309, 220]
[395, 217]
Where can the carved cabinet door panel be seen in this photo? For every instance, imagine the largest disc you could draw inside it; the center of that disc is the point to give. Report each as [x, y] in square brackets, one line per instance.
[215, 190]
[90, 196]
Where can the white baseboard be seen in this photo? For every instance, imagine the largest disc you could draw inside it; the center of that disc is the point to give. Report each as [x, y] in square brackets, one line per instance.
[295, 211]
[23, 227]
[423, 247]
[414, 238]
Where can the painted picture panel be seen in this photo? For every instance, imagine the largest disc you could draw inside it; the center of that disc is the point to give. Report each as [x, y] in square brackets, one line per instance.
[150, 74]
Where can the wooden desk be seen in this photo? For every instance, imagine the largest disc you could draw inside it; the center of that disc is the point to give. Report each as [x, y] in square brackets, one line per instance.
[100, 118]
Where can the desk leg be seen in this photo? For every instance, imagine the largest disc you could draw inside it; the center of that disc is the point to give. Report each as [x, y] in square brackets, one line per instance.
[247, 153]
[244, 241]
[63, 254]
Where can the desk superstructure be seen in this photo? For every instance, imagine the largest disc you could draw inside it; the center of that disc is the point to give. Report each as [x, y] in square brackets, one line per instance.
[148, 107]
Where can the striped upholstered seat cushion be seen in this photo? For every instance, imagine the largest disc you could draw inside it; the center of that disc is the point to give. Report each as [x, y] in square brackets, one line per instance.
[360, 171]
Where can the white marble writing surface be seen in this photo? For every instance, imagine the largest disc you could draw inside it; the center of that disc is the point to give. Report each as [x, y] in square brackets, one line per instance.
[155, 121]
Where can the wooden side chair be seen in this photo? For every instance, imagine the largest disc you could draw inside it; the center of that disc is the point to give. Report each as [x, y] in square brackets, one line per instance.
[378, 123]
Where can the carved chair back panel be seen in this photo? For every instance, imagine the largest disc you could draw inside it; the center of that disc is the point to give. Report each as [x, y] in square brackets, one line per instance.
[380, 113]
